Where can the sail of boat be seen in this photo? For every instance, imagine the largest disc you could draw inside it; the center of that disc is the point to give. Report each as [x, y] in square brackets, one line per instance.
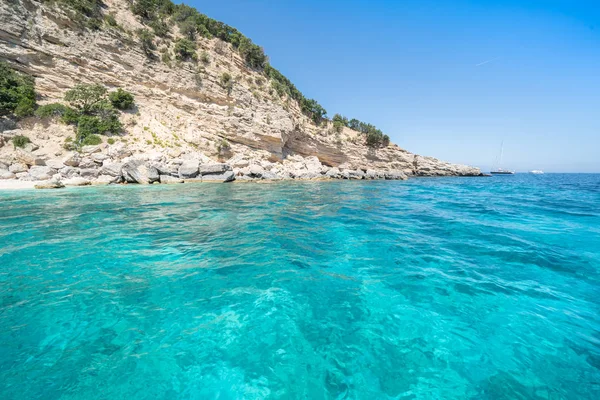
[499, 170]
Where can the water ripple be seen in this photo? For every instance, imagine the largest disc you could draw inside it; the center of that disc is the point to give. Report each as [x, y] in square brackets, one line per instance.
[434, 288]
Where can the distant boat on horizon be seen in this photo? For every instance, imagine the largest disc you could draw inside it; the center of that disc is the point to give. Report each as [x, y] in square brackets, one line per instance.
[536, 172]
[499, 170]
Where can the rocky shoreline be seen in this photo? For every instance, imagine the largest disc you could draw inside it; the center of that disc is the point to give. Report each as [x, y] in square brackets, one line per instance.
[114, 164]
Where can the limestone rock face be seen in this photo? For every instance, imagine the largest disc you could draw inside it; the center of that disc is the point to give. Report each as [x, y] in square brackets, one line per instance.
[226, 176]
[168, 179]
[395, 175]
[69, 172]
[137, 171]
[55, 163]
[72, 161]
[188, 169]
[76, 181]
[49, 185]
[91, 149]
[89, 173]
[87, 162]
[106, 180]
[18, 167]
[209, 169]
[41, 173]
[185, 124]
[111, 168]
[28, 158]
[6, 174]
[54, 183]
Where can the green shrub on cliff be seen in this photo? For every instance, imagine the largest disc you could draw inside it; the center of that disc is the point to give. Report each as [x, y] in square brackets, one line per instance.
[386, 141]
[91, 140]
[377, 139]
[94, 114]
[66, 114]
[86, 12]
[147, 41]
[338, 127]
[89, 126]
[51, 110]
[227, 82]
[144, 8]
[189, 29]
[204, 57]
[339, 122]
[185, 49]
[17, 94]
[374, 136]
[160, 28]
[20, 141]
[340, 119]
[313, 110]
[121, 99]
[70, 116]
[152, 9]
[84, 97]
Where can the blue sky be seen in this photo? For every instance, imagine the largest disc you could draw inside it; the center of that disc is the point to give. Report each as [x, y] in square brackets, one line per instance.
[414, 69]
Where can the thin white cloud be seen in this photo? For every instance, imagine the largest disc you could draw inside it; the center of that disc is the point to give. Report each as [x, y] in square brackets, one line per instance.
[485, 62]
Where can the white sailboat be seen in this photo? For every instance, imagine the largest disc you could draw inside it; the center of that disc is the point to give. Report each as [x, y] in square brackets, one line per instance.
[499, 170]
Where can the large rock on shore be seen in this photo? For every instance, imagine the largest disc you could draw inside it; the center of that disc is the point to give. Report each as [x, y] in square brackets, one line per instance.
[69, 172]
[218, 168]
[41, 173]
[76, 181]
[72, 161]
[395, 175]
[137, 171]
[18, 167]
[111, 168]
[55, 163]
[54, 183]
[6, 174]
[226, 176]
[28, 158]
[168, 179]
[106, 180]
[89, 173]
[188, 169]
[217, 172]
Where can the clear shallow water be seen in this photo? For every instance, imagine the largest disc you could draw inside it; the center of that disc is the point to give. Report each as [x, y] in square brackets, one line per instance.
[453, 288]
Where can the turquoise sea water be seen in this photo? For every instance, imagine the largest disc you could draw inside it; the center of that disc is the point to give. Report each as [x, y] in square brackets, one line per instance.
[450, 288]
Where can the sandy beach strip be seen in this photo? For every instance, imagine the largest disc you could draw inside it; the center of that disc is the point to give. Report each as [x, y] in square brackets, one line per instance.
[13, 184]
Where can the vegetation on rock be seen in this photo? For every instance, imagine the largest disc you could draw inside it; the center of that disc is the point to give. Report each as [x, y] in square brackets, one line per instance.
[86, 12]
[313, 110]
[374, 136]
[121, 99]
[20, 141]
[146, 39]
[185, 49]
[51, 110]
[160, 27]
[204, 57]
[227, 82]
[85, 97]
[17, 94]
[94, 112]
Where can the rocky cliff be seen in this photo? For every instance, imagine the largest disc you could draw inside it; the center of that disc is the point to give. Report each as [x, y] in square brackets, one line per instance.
[183, 111]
